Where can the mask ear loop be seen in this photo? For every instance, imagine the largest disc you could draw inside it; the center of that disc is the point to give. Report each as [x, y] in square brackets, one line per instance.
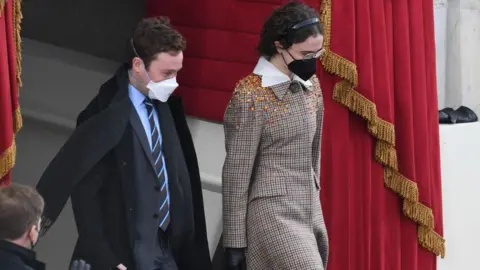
[135, 51]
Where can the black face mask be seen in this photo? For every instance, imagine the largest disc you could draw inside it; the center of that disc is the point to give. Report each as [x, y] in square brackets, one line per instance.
[304, 68]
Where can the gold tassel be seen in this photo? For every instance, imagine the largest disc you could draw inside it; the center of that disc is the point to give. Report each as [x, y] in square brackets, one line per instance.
[18, 16]
[2, 5]
[17, 120]
[384, 132]
[431, 240]
[7, 160]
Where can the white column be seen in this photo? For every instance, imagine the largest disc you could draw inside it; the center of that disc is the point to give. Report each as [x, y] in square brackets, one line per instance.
[440, 14]
[462, 68]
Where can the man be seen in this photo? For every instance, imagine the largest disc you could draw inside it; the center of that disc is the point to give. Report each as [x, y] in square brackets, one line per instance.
[137, 202]
[21, 208]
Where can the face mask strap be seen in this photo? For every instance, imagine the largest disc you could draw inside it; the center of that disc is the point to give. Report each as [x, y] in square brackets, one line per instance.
[135, 51]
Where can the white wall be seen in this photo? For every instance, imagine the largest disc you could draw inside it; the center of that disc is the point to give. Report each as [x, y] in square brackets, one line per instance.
[460, 153]
[457, 34]
[440, 14]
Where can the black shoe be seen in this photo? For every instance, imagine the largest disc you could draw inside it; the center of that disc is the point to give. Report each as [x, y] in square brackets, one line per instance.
[465, 115]
[447, 116]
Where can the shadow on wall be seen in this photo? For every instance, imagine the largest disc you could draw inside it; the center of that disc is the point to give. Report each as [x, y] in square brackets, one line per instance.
[99, 28]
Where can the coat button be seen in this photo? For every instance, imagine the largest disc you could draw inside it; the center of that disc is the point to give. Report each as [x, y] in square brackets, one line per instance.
[124, 163]
[155, 215]
[157, 187]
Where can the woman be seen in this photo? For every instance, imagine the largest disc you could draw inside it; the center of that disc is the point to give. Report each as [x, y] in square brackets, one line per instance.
[273, 126]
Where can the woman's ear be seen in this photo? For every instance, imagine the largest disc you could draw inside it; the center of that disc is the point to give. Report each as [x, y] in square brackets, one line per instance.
[279, 46]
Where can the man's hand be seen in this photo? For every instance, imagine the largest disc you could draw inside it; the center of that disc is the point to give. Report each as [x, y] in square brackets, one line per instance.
[235, 259]
[121, 267]
[80, 265]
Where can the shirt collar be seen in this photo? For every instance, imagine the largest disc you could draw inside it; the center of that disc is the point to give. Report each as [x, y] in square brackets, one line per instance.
[271, 75]
[136, 96]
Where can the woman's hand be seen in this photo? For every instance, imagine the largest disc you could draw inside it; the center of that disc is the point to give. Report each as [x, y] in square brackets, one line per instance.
[235, 259]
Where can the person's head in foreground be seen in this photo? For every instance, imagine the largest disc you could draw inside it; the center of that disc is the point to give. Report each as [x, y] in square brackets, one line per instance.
[292, 39]
[155, 54]
[21, 208]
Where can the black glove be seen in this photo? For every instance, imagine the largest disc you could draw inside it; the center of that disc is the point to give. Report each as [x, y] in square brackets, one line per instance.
[235, 259]
[80, 265]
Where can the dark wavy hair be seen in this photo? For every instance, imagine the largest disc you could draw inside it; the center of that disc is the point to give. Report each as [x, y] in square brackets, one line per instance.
[153, 36]
[282, 19]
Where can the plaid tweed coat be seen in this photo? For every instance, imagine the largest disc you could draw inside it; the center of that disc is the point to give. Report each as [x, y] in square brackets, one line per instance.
[271, 202]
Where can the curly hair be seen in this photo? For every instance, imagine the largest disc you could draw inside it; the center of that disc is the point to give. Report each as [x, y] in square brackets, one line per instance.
[276, 27]
[153, 36]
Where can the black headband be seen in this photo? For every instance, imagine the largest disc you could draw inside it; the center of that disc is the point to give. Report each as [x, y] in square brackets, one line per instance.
[308, 22]
[304, 23]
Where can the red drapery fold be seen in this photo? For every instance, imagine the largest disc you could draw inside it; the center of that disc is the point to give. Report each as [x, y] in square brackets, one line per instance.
[381, 144]
[10, 118]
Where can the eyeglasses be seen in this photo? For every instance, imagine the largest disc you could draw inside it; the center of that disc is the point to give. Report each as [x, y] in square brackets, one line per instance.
[314, 55]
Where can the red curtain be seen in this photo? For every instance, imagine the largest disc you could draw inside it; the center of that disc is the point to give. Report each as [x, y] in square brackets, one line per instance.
[381, 188]
[10, 118]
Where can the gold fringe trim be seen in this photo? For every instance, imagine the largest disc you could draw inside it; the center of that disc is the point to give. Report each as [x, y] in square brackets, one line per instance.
[384, 132]
[8, 157]
[2, 5]
[17, 120]
[18, 16]
[7, 160]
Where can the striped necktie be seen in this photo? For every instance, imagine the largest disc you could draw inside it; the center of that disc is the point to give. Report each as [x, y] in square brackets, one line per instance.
[160, 168]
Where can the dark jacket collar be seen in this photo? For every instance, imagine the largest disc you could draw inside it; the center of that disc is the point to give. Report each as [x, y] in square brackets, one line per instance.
[21, 254]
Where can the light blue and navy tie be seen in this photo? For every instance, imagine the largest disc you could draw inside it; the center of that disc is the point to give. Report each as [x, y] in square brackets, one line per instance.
[157, 155]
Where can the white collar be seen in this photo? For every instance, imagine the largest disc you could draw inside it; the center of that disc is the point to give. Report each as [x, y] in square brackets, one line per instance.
[271, 75]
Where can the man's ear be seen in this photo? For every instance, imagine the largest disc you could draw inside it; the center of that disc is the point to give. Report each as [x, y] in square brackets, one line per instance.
[33, 233]
[137, 64]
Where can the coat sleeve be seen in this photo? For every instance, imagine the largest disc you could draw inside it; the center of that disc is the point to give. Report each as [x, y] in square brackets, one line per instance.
[88, 217]
[243, 124]
[317, 139]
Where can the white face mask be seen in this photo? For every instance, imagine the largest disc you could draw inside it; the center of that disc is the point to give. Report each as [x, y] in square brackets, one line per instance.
[162, 90]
